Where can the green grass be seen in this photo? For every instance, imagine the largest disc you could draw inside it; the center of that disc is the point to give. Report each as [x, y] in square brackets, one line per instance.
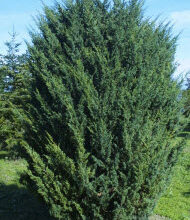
[10, 169]
[16, 202]
[175, 203]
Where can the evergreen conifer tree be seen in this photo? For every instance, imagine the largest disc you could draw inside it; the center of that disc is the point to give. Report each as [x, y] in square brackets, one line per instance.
[104, 111]
[188, 82]
[14, 95]
[186, 94]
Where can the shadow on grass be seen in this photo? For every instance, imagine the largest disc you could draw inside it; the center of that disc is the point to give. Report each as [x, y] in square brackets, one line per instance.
[18, 204]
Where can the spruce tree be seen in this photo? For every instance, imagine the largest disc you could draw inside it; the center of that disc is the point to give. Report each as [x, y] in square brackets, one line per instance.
[14, 95]
[105, 113]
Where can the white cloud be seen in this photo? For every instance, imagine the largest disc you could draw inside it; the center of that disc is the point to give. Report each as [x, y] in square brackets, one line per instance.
[181, 19]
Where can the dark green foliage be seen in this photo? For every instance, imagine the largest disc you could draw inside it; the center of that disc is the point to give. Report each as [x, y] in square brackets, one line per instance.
[14, 95]
[186, 95]
[104, 111]
[12, 114]
[188, 82]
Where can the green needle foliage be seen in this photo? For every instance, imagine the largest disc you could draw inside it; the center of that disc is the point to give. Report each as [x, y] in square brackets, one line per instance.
[104, 111]
[14, 95]
[12, 116]
[186, 95]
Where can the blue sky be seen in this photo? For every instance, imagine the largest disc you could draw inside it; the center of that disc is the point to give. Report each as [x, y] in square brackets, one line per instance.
[19, 14]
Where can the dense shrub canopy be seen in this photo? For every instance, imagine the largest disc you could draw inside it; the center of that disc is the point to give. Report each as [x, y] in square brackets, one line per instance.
[104, 112]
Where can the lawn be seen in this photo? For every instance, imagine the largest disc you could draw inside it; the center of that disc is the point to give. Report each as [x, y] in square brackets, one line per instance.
[17, 203]
[175, 203]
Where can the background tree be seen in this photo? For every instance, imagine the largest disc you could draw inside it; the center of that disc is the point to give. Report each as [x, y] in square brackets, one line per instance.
[13, 94]
[105, 113]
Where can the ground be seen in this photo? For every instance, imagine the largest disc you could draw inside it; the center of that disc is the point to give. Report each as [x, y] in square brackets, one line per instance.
[175, 203]
[16, 202]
